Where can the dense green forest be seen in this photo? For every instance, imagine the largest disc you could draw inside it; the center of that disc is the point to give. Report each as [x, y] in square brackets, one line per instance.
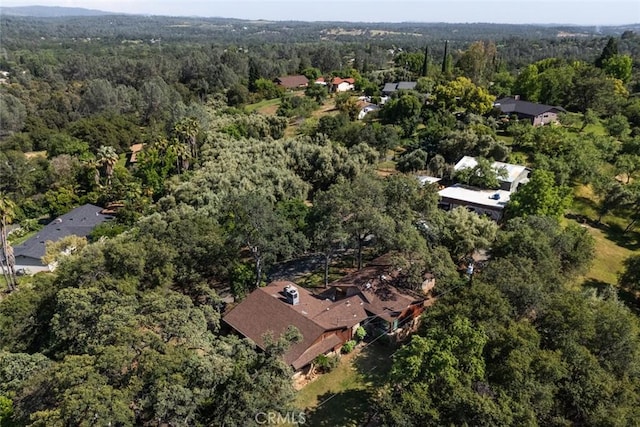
[238, 175]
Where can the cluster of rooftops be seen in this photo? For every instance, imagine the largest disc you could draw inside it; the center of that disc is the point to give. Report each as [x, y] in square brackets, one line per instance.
[369, 297]
[482, 201]
[539, 114]
[372, 297]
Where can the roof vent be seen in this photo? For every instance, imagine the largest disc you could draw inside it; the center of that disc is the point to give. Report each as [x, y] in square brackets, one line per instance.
[291, 292]
[495, 196]
[368, 285]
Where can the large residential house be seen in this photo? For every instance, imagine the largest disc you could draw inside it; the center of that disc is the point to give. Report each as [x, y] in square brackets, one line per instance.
[482, 201]
[292, 82]
[343, 85]
[338, 84]
[325, 325]
[326, 321]
[538, 114]
[79, 222]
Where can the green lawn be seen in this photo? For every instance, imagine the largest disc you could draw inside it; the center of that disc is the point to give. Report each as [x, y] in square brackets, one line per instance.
[609, 254]
[612, 246]
[343, 396]
[596, 128]
[19, 240]
[388, 165]
[262, 104]
[507, 139]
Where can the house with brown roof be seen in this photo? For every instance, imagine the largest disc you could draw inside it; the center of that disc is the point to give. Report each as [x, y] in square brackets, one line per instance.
[366, 298]
[292, 82]
[325, 325]
[342, 85]
[391, 307]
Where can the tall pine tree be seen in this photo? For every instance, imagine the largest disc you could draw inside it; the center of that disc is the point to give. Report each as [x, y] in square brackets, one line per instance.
[611, 49]
[446, 60]
[425, 64]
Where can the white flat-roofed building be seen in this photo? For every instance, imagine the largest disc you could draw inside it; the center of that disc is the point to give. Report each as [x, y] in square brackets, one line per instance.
[483, 202]
[424, 179]
[516, 174]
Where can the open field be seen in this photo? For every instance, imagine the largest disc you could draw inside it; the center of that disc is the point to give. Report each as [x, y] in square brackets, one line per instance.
[267, 106]
[612, 245]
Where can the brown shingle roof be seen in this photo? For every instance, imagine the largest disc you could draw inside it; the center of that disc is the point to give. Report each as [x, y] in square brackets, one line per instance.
[338, 80]
[321, 347]
[292, 82]
[266, 310]
[376, 283]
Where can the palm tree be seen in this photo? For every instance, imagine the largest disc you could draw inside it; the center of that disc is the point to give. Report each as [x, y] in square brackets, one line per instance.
[94, 166]
[186, 130]
[7, 261]
[108, 158]
[182, 152]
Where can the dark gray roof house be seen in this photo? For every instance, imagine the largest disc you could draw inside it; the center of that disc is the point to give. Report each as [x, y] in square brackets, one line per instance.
[406, 85]
[389, 88]
[79, 221]
[539, 114]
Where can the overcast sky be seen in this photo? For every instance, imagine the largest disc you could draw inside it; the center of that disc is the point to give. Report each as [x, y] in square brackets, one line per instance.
[589, 12]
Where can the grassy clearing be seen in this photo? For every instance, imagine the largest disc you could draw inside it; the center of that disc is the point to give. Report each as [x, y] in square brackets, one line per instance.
[596, 128]
[609, 257]
[506, 139]
[19, 240]
[343, 396]
[327, 107]
[388, 165]
[34, 154]
[612, 246]
[265, 106]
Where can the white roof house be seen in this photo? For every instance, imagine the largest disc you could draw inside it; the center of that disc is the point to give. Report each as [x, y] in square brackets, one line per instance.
[425, 179]
[487, 202]
[366, 109]
[516, 174]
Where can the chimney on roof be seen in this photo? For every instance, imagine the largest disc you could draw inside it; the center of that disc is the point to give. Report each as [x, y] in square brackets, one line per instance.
[516, 97]
[291, 292]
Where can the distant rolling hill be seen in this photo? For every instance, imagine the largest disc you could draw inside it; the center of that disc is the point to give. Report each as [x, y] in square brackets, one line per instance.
[51, 11]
